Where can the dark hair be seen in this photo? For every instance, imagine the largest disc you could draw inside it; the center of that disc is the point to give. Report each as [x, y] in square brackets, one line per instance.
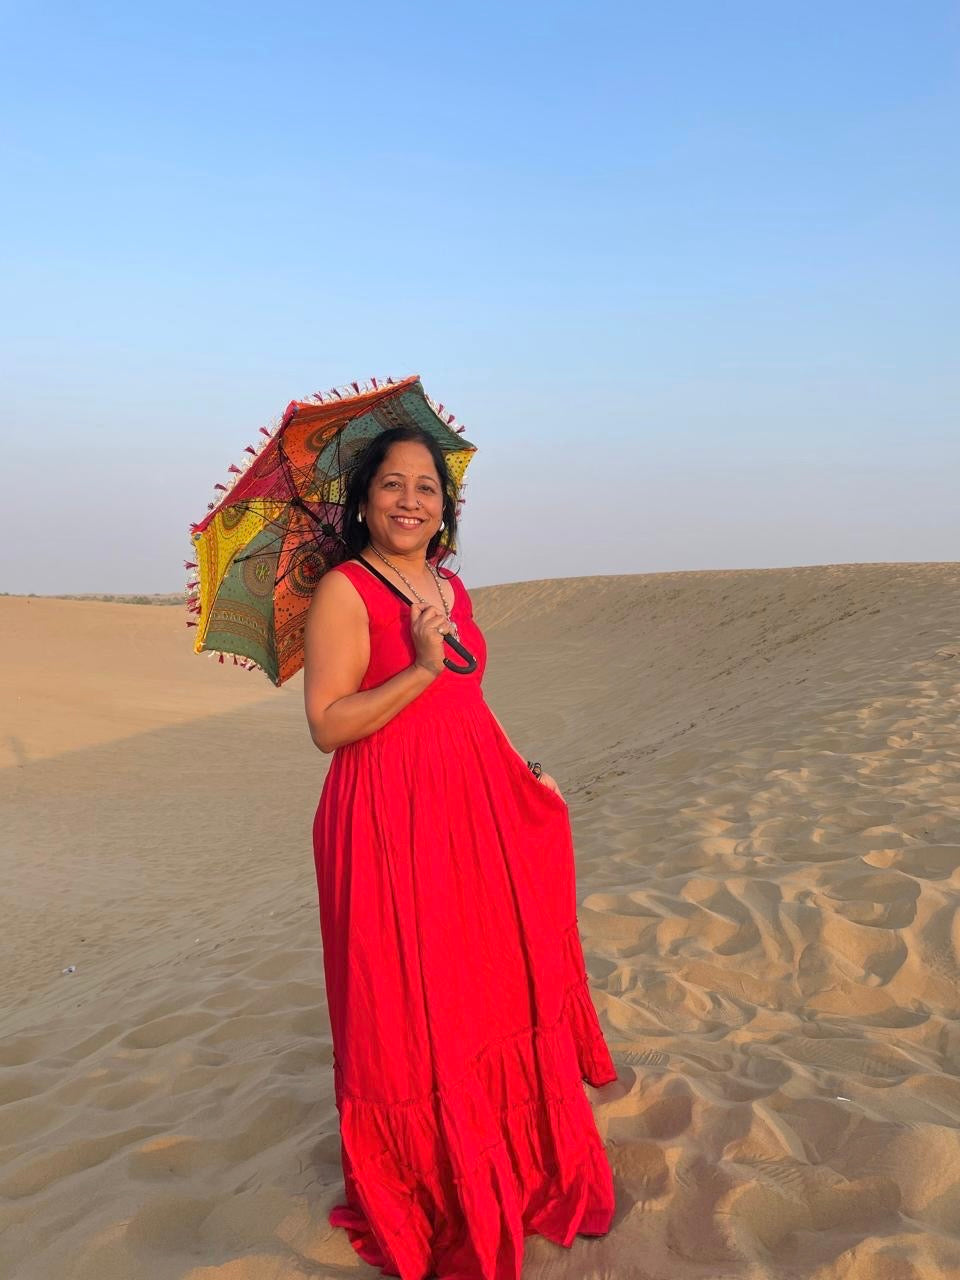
[364, 467]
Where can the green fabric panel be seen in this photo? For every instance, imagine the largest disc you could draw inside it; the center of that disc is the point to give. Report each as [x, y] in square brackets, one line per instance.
[241, 618]
[410, 408]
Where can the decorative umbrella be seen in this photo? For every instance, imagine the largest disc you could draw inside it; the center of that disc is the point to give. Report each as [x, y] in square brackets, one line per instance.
[276, 528]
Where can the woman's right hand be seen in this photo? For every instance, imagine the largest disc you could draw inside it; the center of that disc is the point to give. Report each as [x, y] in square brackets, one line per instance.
[424, 620]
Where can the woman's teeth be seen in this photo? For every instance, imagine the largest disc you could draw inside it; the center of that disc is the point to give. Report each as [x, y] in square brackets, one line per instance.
[407, 524]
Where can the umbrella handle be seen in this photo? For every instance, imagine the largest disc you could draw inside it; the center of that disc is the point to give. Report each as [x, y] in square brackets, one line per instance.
[464, 652]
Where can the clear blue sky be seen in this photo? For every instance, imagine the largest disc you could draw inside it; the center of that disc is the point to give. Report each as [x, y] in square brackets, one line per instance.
[687, 272]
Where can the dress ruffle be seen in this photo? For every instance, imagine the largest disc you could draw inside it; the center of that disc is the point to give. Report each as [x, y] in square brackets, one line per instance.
[509, 1149]
[593, 1056]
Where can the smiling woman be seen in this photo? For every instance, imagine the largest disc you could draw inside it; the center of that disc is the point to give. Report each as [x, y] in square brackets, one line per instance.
[461, 1017]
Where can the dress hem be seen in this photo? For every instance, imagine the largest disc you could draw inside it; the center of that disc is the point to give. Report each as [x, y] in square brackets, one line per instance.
[525, 1157]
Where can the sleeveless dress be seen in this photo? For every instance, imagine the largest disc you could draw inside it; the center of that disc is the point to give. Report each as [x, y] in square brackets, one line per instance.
[461, 1017]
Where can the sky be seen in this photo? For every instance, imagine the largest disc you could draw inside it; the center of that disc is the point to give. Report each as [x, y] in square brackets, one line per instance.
[687, 273]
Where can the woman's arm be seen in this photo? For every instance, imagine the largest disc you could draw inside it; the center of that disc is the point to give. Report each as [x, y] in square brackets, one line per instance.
[336, 654]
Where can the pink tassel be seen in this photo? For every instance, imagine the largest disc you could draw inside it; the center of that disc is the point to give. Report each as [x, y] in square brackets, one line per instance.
[250, 449]
[264, 432]
[221, 486]
[233, 467]
[356, 387]
[193, 624]
[189, 564]
[235, 663]
[221, 657]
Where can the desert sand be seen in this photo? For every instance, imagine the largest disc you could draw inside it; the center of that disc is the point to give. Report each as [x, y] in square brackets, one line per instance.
[763, 775]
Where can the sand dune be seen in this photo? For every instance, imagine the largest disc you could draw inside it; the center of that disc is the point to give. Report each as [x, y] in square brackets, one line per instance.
[763, 773]
[81, 673]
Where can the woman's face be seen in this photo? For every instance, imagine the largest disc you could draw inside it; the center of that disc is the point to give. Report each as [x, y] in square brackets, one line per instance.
[406, 488]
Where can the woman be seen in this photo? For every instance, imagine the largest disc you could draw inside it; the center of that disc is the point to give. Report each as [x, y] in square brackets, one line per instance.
[461, 1018]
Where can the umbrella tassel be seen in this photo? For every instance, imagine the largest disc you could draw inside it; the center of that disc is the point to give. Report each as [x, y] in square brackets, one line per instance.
[350, 390]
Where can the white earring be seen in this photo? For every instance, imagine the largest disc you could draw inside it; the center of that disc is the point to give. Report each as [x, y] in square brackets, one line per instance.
[359, 518]
[440, 530]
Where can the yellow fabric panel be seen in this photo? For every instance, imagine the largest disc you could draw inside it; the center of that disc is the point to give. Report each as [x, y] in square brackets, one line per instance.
[227, 533]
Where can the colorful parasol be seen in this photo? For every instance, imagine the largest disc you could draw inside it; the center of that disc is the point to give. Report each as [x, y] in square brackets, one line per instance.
[274, 531]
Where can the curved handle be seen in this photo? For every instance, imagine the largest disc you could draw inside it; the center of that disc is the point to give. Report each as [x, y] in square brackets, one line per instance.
[464, 652]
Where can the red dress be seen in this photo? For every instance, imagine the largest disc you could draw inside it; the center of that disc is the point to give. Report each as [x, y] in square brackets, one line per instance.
[460, 1013]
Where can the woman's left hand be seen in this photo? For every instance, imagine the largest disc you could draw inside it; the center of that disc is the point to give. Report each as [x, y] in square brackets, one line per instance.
[547, 780]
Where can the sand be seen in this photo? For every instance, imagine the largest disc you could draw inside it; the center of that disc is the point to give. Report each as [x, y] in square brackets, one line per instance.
[763, 773]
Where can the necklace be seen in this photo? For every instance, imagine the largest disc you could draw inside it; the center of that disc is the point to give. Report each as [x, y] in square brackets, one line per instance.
[436, 576]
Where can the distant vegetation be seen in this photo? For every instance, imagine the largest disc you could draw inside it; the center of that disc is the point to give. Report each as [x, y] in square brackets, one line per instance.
[171, 598]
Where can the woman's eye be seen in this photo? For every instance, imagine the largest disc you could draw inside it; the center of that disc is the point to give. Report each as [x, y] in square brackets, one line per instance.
[425, 488]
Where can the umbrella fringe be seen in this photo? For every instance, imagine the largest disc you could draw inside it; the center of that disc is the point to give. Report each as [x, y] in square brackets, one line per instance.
[247, 664]
[351, 390]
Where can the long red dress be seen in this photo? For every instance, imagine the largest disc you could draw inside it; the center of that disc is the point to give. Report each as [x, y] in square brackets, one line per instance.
[460, 1013]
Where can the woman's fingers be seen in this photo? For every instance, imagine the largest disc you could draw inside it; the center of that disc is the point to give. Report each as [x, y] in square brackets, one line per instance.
[426, 622]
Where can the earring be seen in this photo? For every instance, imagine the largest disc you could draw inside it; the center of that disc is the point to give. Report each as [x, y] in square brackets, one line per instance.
[359, 518]
[440, 530]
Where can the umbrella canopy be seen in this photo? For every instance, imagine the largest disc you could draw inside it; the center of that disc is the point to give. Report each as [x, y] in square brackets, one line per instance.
[274, 531]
